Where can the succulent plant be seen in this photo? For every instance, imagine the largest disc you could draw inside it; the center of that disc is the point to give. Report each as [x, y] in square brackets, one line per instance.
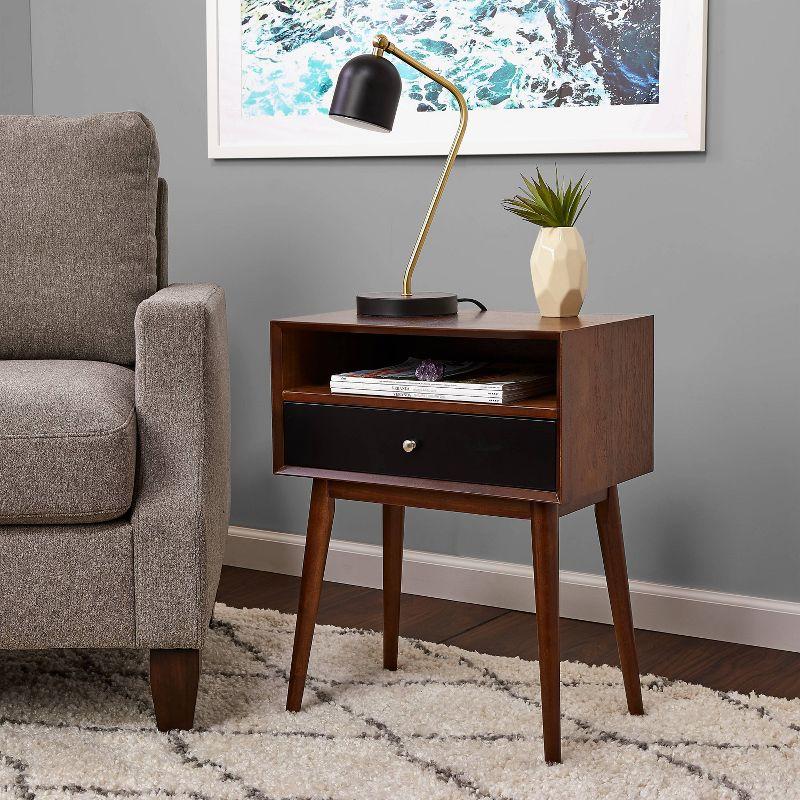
[548, 207]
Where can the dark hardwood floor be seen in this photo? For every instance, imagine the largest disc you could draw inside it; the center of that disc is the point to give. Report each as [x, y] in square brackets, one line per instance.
[719, 665]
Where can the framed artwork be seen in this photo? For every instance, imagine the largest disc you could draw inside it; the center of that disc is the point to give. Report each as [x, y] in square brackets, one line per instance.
[539, 76]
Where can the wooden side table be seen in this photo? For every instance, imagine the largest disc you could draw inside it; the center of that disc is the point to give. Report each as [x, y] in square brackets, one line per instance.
[536, 459]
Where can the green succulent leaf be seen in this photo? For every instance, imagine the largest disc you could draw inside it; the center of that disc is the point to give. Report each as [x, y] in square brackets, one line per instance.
[541, 204]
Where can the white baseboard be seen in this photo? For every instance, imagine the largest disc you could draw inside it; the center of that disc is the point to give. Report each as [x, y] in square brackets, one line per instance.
[658, 607]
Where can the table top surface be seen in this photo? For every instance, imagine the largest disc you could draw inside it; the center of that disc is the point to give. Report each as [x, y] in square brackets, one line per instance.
[465, 322]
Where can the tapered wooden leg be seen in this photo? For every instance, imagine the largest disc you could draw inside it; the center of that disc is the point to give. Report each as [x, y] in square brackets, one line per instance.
[392, 575]
[609, 529]
[174, 676]
[544, 531]
[320, 522]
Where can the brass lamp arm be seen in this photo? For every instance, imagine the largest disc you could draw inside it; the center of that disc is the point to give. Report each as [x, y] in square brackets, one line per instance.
[382, 44]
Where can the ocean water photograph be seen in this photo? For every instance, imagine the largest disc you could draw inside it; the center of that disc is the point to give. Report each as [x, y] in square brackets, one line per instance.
[537, 75]
[501, 54]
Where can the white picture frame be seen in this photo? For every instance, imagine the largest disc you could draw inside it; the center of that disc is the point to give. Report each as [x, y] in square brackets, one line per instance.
[675, 123]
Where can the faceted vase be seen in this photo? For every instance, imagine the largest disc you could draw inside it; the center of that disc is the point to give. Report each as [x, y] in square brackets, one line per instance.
[558, 272]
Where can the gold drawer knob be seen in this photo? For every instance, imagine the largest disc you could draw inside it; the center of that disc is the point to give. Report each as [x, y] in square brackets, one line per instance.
[409, 445]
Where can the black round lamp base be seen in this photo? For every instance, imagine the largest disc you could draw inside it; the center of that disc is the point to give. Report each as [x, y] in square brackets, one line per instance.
[395, 304]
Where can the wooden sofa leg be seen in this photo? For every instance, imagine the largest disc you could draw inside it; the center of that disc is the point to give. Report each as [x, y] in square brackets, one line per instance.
[174, 676]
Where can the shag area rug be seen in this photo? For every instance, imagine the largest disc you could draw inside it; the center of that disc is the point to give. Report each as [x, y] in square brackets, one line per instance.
[449, 724]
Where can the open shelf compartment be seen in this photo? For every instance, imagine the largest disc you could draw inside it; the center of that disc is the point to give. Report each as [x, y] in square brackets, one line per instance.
[309, 358]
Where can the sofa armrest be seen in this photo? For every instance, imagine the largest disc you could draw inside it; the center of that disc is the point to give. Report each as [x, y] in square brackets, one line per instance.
[182, 500]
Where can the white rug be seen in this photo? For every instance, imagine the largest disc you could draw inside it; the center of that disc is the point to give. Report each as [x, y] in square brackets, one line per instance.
[449, 725]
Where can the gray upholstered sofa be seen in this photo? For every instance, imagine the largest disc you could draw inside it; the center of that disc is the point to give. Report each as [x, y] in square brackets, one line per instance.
[114, 406]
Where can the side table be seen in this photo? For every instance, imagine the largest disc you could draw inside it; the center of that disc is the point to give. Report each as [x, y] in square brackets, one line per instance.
[536, 459]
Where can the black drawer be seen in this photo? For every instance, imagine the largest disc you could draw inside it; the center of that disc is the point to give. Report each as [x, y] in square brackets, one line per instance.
[465, 448]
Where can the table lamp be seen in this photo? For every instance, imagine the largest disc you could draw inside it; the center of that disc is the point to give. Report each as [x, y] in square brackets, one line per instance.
[367, 94]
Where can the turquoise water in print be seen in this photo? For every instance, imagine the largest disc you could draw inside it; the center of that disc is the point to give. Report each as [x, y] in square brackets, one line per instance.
[500, 53]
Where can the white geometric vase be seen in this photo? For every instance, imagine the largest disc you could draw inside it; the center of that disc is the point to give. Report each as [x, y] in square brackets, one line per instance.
[558, 272]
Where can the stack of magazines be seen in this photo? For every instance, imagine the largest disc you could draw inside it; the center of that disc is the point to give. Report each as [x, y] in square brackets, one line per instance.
[465, 381]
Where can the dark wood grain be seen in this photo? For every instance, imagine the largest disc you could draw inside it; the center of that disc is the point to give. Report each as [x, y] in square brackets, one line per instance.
[544, 533]
[320, 522]
[577, 503]
[515, 324]
[174, 679]
[605, 406]
[542, 407]
[603, 366]
[302, 356]
[609, 529]
[438, 493]
[393, 517]
[481, 504]
[599, 427]
[278, 382]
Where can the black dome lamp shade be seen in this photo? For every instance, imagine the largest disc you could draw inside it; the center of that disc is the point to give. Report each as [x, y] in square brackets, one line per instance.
[367, 95]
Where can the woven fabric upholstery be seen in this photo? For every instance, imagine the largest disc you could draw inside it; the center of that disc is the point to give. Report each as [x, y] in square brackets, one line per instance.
[78, 234]
[162, 238]
[66, 586]
[180, 514]
[67, 441]
[114, 397]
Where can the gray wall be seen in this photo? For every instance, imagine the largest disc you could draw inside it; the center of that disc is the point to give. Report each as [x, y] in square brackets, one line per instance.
[706, 242]
[16, 92]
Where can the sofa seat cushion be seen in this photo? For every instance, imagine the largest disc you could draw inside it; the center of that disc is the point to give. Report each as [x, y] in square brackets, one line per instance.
[67, 441]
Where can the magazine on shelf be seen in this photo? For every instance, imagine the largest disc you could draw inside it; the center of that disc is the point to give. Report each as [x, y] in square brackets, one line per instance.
[407, 372]
[466, 381]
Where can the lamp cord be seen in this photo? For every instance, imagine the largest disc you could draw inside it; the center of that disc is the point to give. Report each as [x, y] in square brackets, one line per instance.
[478, 303]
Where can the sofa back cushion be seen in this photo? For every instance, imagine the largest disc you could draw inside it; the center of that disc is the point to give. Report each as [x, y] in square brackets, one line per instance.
[77, 234]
